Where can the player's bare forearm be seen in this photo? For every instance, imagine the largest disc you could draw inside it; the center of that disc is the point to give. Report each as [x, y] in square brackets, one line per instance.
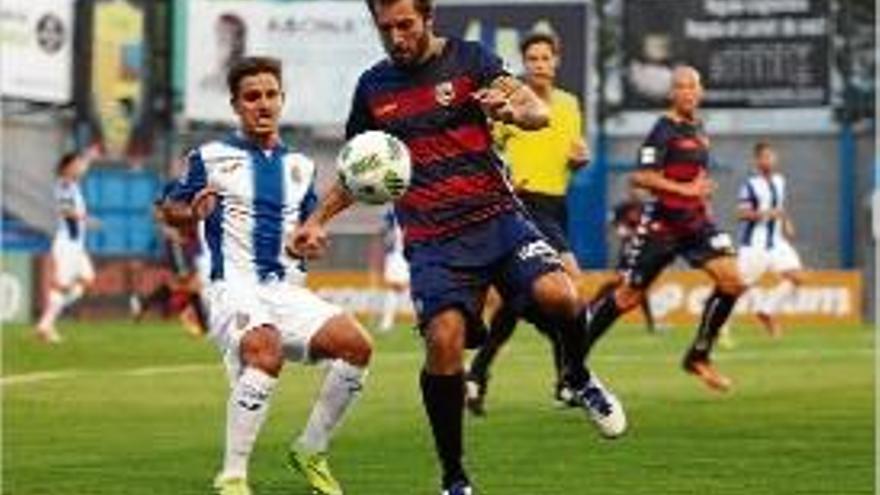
[334, 202]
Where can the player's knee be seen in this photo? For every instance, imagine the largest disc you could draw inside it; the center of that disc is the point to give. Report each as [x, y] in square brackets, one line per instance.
[261, 348]
[444, 339]
[359, 348]
[732, 285]
[627, 297]
[556, 295]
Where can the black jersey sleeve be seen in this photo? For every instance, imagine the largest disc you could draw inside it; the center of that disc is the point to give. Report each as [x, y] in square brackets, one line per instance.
[359, 117]
[652, 152]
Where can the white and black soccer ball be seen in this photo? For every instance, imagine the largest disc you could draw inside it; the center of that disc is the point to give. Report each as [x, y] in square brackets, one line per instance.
[374, 167]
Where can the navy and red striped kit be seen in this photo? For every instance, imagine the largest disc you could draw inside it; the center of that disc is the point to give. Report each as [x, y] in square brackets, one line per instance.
[463, 227]
[457, 178]
[680, 150]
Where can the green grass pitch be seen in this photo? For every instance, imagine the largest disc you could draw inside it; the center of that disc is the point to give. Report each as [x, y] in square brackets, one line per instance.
[138, 409]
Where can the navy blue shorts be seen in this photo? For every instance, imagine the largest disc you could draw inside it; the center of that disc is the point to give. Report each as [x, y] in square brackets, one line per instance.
[507, 251]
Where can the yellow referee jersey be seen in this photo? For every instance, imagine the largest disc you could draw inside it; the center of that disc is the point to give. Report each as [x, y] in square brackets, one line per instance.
[539, 159]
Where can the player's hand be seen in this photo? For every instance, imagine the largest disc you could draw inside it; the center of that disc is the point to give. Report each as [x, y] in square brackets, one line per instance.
[204, 202]
[578, 153]
[495, 104]
[774, 214]
[308, 241]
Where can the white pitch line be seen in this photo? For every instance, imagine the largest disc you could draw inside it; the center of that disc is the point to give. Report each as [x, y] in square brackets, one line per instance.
[46, 376]
[38, 376]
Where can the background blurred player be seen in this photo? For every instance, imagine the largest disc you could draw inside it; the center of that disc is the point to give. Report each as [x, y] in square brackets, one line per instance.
[463, 227]
[395, 270]
[72, 270]
[673, 164]
[251, 190]
[179, 294]
[540, 164]
[765, 229]
[625, 220]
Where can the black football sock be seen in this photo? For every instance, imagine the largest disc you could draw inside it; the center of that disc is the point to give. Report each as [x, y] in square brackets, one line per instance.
[503, 324]
[648, 314]
[443, 398]
[550, 329]
[603, 313]
[201, 315]
[716, 311]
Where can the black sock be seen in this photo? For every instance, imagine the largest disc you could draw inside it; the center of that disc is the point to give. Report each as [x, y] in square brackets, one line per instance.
[648, 314]
[160, 295]
[569, 340]
[201, 315]
[550, 329]
[715, 313]
[603, 313]
[443, 398]
[503, 324]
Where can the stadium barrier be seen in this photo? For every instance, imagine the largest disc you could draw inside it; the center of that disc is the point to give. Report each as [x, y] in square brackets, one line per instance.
[827, 297]
[16, 288]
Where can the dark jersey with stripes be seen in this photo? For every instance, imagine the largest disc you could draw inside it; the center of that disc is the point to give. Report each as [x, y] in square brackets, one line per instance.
[457, 179]
[680, 151]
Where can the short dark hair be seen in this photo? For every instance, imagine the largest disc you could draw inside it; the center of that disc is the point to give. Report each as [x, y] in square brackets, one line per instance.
[761, 146]
[539, 37]
[249, 66]
[65, 161]
[424, 7]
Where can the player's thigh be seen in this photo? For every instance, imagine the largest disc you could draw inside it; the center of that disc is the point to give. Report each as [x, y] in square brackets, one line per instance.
[445, 335]
[752, 263]
[234, 310]
[85, 268]
[342, 337]
[724, 271]
[299, 315]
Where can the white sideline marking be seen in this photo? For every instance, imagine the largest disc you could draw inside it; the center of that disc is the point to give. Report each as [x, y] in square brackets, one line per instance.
[38, 376]
[45, 376]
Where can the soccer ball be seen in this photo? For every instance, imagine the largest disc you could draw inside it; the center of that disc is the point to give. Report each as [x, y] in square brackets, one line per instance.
[374, 167]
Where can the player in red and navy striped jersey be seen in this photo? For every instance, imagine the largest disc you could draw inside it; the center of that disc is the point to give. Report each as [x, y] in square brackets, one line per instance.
[463, 227]
[673, 165]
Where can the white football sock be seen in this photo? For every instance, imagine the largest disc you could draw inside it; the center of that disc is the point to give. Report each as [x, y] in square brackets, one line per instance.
[389, 310]
[342, 385]
[246, 411]
[54, 306]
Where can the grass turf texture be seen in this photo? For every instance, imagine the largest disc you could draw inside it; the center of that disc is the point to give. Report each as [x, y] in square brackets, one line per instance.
[139, 409]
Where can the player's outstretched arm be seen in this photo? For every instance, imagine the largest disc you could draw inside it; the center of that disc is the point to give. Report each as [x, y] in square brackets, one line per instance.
[309, 240]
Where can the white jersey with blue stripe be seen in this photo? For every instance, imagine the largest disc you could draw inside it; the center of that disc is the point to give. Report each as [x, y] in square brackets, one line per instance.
[392, 235]
[762, 194]
[69, 199]
[261, 196]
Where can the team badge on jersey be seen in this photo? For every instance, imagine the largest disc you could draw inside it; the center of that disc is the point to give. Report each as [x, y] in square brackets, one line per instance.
[444, 93]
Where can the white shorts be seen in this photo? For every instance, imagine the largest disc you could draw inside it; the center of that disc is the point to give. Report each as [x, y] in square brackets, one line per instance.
[396, 268]
[754, 261]
[235, 307]
[72, 263]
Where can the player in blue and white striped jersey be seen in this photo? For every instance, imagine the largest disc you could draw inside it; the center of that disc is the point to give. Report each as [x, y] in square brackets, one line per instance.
[250, 191]
[395, 270]
[73, 272]
[764, 232]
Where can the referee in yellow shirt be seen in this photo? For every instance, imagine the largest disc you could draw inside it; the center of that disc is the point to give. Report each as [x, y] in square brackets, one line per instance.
[540, 164]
